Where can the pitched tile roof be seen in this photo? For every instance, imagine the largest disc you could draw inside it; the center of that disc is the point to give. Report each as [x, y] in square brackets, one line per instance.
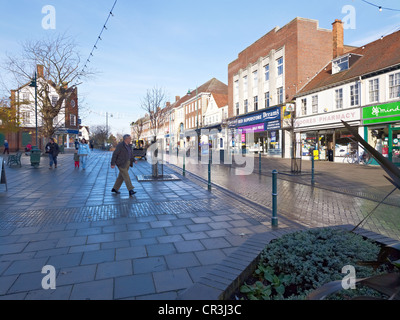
[379, 55]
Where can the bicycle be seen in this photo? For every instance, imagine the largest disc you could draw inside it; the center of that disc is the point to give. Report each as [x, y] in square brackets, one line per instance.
[351, 157]
[365, 158]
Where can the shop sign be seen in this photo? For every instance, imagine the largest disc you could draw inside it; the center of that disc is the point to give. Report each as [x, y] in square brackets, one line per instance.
[273, 125]
[253, 128]
[263, 116]
[383, 113]
[328, 118]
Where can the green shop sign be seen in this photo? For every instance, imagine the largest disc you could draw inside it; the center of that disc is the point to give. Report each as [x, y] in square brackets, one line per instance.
[383, 113]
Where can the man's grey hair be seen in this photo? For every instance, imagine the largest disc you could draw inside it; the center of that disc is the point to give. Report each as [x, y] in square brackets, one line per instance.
[126, 136]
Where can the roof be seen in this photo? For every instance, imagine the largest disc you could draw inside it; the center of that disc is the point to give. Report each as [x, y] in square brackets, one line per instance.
[376, 56]
[221, 99]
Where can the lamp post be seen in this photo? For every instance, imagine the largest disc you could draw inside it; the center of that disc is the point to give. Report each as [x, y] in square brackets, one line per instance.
[33, 84]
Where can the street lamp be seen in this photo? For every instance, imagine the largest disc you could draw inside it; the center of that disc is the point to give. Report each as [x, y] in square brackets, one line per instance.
[33, 84]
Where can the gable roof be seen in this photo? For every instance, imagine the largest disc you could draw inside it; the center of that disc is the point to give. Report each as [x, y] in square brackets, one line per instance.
[220, 99]
[377, 56]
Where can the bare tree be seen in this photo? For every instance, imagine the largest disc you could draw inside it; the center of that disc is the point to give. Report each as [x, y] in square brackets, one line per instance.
[61, 73]
[137, 128]
[153, 103]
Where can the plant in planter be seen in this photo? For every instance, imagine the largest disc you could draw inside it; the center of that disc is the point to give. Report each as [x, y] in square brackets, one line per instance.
[389, 283]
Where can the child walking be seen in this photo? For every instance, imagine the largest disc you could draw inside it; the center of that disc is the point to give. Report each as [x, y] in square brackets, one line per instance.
[76, 159]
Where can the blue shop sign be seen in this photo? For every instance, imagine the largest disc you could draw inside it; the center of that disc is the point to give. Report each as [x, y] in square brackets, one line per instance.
[266, 115]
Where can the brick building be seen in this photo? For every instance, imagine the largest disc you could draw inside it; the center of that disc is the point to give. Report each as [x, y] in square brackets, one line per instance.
[66, 122]
[267, 75]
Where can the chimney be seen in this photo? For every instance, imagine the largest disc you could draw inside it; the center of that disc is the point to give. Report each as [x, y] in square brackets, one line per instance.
[40, 71]
[337, 33]
[177, 98]
[167, 104]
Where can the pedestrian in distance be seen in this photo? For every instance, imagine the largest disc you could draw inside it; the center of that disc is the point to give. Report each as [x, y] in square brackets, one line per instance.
[91, 145]
[6, 147]
[83, 152]
[76, 144]
[52, 149]
[76, 159]
[123, 158]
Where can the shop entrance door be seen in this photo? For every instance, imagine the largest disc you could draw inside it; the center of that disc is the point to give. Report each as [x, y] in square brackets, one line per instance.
[325, 146]
[394, 145]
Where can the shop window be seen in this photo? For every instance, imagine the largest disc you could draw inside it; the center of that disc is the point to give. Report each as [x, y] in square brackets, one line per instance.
[308, 142]
[344, 144]
[394, 85]
[273, 142]
[378, 138]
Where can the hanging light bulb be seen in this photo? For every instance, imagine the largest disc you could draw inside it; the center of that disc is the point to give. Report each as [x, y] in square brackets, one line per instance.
[380, 9]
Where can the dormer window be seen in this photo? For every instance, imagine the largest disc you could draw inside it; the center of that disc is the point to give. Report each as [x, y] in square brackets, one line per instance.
[340, 64]
[344, 62]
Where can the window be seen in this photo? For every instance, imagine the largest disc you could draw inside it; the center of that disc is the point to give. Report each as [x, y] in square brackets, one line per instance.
[25, 96]
[340, 64]
[26, 117]
[354, 100]
[315, 104]
[280, 66]
[54, 100]
[72, 119]
[255, 79]
[255, 103]
[374, 90]
[245, 83]
[303, 107]
[394, 86]
[267, 72]
[246, 106]
[266, 99]
[279, 93]
[339, 98]
[237, 108]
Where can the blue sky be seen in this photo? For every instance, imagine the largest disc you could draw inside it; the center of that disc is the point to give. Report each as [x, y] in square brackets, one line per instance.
[172, 44]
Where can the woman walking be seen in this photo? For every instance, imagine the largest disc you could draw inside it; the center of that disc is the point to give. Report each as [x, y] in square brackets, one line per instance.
[83, 152]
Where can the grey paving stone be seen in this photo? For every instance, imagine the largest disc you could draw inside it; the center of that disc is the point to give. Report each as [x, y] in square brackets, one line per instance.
[6, 282]
[98, 238]
[73, 241]
[189, 246]
[41, 245]
[127, 235]
[151, 264]
[132, 286]
[210, 256]
[181, 260]
[83, 248]
[215, 243]
[27, 282]
[131, 253]
[95, 290]
[12, 248]
[72, 275]
[60, 293]
[172, 280]
[98, 256]
[65, 260]
[26, 266]
[160, 249]
[114, 269]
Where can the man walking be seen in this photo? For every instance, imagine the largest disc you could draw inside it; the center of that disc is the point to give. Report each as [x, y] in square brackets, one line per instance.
[122, 157]
[6, 147]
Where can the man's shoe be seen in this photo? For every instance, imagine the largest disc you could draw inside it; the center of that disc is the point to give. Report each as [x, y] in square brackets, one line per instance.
[115, 191]
[131, 192]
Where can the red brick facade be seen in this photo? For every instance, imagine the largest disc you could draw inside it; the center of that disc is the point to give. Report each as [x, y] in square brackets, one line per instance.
[307, 49]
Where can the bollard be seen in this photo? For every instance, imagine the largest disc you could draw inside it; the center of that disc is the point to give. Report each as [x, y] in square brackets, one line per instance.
[209, 174]
[274, 221]
[184, 167]
[312, 170]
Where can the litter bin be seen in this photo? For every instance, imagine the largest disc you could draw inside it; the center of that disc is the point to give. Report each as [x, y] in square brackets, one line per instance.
[330, 155]
[35, 157]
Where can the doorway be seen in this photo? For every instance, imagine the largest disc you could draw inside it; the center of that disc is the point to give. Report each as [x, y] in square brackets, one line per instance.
[325, 145]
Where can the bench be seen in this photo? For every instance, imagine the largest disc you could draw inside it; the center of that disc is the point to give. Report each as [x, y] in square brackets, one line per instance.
[140, 153]
[14, 159]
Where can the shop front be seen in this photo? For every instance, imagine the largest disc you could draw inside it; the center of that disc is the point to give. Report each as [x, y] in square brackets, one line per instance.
[324, 137]
[382, 129]
[265, 129]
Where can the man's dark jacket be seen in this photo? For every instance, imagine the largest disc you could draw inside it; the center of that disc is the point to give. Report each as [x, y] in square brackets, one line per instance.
[121, 155]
